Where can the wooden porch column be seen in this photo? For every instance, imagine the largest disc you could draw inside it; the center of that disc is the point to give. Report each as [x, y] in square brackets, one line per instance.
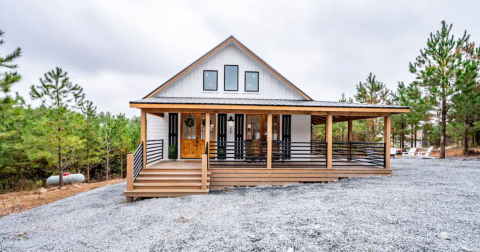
[207, 129]
[143, 135]
[328, 134]
[269, 141]
[386, 140]
[350, 139]
[129, 175]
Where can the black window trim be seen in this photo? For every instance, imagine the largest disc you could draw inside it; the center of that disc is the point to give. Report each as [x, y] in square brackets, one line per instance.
[258, 86]
[203, 82]
[224, 78]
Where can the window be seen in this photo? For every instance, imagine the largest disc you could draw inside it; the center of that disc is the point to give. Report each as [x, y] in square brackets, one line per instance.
[210, 79]
[231, 78]
[251, 81]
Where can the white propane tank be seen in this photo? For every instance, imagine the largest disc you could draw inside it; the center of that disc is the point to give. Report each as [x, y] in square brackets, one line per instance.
[72, 178]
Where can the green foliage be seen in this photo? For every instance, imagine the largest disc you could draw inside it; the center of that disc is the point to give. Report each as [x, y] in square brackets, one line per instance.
[436, 67]
[172, 152]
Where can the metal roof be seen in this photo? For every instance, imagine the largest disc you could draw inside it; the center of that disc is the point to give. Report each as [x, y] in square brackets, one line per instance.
[260, 102]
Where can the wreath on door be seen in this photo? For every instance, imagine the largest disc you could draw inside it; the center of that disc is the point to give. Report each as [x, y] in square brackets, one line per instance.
[189, 122]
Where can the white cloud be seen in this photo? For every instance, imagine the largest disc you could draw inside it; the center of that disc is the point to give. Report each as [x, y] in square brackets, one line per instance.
[121, 50]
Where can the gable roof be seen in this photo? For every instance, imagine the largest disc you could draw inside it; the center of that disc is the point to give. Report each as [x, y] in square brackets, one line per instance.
[225, 42]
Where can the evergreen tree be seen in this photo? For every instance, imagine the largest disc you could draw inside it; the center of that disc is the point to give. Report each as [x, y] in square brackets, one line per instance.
[121, 123]
[107, 131]
[373, 92]
[59, 94]
[436, 67]
[90, 131]
[466, 100]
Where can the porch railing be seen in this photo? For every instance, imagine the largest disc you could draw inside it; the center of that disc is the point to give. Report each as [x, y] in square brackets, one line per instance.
[137, 161]
[299, 154]
[154, 150]
[358, 154]
[236, 154]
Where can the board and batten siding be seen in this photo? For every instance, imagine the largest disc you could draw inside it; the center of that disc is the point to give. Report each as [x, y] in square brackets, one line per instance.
[157, 128]
[190, 84]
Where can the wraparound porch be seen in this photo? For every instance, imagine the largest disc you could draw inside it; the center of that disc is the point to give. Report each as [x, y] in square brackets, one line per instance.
[254, 161]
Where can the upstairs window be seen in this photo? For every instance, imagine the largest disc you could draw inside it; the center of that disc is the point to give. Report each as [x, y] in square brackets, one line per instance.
[231, 78]
[251, 81]
[210, 80]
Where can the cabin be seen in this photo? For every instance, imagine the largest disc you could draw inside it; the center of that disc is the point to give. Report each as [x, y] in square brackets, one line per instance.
[230, 119]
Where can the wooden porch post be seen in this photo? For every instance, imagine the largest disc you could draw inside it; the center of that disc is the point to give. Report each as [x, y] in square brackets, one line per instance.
[207, 128]
[269, 141]
[143, 135]
[386, 140]
[350, 139]
[328, 134]
[129, 175]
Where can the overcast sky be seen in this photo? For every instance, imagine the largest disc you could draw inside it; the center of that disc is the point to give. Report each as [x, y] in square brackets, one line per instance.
[121, 50]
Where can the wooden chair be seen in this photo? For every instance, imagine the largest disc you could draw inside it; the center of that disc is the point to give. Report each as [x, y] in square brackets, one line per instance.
[410, 153]
[425, 154]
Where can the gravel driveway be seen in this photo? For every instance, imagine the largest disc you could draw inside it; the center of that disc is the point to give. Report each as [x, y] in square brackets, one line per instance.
[406, 211]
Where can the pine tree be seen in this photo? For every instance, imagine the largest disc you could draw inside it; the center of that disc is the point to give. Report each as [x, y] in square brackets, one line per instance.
[436, 67]
[373, 92]
[9, 78]
[58, 94]
[90, 131]
[121, 123]
[107, 131]
[466, 100]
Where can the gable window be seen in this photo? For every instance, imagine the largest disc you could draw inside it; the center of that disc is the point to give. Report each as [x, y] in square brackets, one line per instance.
[231, 78]
[251, 81]
[210, 79]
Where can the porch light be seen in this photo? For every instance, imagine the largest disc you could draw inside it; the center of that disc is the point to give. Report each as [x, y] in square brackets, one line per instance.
[230, 123]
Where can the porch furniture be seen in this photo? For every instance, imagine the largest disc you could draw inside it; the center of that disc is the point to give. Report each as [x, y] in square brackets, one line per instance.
[425, 154]
[410, 153]
[393, 152]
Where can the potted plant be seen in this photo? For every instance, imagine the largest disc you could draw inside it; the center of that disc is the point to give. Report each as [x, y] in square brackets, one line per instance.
[172, 152]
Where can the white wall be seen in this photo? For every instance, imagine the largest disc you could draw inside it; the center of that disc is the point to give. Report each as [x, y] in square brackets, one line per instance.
[301, 128]
[191, 83]
[157, 128]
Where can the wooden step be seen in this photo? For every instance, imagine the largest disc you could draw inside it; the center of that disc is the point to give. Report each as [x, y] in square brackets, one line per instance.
[169, 178]
[164, 192]
[169, 184]
[172, 173]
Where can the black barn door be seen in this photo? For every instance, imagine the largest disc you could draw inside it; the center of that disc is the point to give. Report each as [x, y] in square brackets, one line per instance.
[287, 134]
[222, 136]
[172, 132]
[239, 129]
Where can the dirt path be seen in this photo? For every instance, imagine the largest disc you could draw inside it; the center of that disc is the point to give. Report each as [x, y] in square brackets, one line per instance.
[20, 201]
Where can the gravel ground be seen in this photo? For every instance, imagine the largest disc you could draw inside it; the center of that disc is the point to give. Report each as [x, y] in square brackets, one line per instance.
[406, 212]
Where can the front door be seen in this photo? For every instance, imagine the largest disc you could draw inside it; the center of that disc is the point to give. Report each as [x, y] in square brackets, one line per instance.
[193, 135]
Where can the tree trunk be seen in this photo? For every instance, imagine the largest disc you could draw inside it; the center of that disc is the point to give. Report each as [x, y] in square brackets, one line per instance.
[60, 164]
[415, 143]
[373, 130]
[121, 158]
[402, 137]
[88, 162]
[465, 137]
[444, 128]
[411, 139]
[108, 165]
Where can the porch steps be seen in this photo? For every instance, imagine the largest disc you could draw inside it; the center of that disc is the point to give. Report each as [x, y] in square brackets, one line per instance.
[161, 183]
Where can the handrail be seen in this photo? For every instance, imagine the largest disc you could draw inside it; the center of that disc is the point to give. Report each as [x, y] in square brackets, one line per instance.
[154, 150]
[137, 161]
